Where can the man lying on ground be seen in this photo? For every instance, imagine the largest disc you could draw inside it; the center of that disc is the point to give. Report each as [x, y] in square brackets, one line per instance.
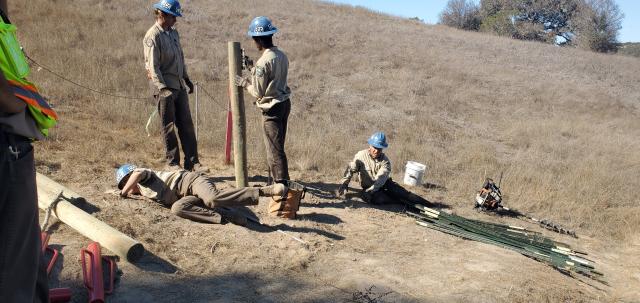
[192, 195]
[374, 169]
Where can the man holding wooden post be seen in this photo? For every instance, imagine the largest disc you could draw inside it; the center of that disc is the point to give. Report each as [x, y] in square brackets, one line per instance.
[268, 84]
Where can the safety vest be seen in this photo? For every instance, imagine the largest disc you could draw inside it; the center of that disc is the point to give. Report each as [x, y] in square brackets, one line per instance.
[15, 69]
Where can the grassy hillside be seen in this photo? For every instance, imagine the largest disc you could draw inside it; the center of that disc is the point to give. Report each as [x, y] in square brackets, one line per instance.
[629, 49]
[562, 124]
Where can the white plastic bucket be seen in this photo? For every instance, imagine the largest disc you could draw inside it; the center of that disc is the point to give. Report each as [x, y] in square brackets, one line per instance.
[413, 173]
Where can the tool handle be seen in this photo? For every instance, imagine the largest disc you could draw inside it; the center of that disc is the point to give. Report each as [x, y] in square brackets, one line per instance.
[54, 258]
[59, 295]
[86, 277]
[112, 274]
[44, 240]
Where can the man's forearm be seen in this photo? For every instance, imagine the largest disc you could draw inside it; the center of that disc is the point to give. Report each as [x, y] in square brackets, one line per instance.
[348, 173]
[131, 183]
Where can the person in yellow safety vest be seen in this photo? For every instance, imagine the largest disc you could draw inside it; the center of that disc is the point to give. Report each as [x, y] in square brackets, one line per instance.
[15, 69]
[24, 116]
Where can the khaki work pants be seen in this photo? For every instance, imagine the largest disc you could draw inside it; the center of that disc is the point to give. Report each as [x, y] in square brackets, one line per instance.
[274, 123]
[175, 114]
[23, 276]
[202, 202]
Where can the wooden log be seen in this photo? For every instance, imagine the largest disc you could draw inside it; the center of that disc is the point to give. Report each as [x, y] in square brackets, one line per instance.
[87, 225]
[237, 111]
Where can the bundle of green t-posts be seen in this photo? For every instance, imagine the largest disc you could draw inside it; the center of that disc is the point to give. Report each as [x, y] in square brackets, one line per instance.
[529, 243]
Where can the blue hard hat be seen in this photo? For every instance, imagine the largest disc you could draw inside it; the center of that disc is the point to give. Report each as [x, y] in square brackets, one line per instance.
[122, 172]
[171, 7]
[261, 26]
[378, 140]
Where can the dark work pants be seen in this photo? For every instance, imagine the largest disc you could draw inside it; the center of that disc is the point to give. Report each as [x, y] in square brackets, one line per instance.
[175, 114]
[23, 276]
[392, 192]
[274, 122]
[202, 202]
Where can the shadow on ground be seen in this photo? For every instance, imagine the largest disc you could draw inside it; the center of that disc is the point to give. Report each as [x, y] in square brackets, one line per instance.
[263, 228]
[152, 263]
[320, 218]
[243, 287]
[434, 186]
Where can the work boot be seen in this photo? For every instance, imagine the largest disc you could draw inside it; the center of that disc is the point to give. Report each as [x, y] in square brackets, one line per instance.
[232, 216]
[199, 168]
[275, 190]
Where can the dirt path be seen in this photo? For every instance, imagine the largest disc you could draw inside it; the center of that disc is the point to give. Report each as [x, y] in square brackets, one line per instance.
[352, 253]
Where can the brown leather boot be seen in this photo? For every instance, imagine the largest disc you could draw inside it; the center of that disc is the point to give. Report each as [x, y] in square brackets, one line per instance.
[275, 190]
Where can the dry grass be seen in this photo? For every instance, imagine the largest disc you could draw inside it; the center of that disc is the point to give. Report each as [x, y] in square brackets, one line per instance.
[562, 124]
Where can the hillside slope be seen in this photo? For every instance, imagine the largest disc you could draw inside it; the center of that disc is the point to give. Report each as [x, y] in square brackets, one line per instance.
[562, 124]
[629, 49]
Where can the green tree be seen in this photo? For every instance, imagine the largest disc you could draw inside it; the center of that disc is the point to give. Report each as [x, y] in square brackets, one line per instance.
[539, 20]
[501, 23]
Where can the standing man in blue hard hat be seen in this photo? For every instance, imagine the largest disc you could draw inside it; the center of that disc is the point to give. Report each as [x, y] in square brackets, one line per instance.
[374, 170]
[24, 117]
[167, 74]
[268, 84]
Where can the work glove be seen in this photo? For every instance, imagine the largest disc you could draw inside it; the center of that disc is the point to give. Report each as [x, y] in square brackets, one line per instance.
[239, 81]
[344, 187]
[189, 85]
[165, 92]
[247, 63]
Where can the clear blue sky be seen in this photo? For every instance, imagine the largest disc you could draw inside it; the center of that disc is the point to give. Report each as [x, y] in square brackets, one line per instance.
[428, 10]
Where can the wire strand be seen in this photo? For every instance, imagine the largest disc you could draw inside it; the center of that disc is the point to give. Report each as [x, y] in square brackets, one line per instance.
[213, 99]
[109, 94]
[80, 85]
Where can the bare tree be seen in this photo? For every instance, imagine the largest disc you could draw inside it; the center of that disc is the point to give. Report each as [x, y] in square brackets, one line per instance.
[598, 25]
[463, 14]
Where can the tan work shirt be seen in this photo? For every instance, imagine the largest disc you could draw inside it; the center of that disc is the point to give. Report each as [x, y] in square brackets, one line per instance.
[160, 186]
[269, 79]
[373, 173]
[163, 58]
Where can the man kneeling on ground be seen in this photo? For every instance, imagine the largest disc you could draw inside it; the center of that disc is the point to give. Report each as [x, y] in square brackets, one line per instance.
[192, 195]
[374, 169]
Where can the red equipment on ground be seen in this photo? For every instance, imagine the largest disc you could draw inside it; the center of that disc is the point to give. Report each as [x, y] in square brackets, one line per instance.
[56, 295]
[44, 236]
[93, 274]
[59, 295]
